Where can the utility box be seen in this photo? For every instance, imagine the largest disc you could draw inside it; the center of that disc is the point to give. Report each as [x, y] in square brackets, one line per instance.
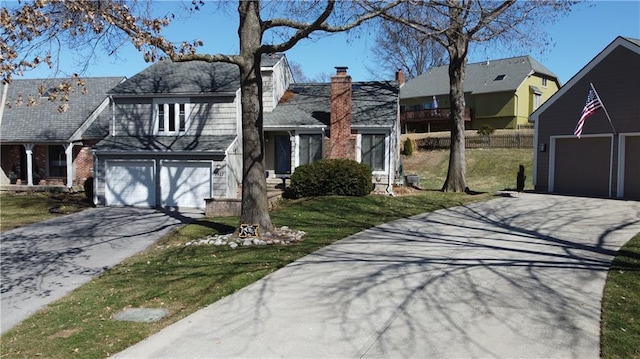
[412, 180]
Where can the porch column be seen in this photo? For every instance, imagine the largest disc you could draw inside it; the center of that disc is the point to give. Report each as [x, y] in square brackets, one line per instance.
[68, 150]
[28, 147]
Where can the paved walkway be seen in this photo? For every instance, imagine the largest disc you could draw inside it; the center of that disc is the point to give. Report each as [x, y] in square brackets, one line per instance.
[512, 277]
[42, 262]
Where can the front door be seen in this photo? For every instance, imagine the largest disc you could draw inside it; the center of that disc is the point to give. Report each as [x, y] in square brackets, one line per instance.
[283, 154]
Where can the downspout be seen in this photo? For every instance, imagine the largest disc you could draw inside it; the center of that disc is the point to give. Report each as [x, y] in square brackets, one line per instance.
[390, 177]
[113, 116]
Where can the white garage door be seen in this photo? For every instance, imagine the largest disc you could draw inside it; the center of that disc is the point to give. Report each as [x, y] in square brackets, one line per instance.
[130, 183]
[185, 184]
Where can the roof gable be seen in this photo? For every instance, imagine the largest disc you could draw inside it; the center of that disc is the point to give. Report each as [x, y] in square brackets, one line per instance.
[40, 121]
[629, 43]
[481, 77]
[188, 78]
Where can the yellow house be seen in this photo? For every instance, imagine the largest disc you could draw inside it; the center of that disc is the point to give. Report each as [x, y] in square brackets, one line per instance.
[498, 93]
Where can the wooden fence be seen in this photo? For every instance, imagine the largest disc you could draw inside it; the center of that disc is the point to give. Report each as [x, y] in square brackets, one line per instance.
[516, 140]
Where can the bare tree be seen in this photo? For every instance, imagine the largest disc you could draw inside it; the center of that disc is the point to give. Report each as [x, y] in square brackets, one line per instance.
[401, 47]
[456, 24]
[27, 30]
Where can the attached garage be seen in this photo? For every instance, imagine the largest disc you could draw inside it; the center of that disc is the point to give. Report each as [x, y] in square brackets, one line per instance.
[629, 178]
[581, 166]
[130, 183]
[185, 184]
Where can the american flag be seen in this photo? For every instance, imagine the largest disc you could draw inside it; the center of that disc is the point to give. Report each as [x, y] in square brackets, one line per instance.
[592, 105]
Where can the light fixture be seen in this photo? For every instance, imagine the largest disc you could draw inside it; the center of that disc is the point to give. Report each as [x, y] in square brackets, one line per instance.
[542, 147]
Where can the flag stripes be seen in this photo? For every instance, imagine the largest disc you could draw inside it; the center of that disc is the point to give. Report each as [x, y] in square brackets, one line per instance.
[592, 105]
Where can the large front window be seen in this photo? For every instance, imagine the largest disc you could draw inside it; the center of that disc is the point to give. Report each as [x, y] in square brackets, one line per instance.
[373, 151]
[310, 148]
[171, 117]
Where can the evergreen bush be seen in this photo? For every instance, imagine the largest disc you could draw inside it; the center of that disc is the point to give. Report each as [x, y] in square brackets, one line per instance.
[408, 147]
[331, 177]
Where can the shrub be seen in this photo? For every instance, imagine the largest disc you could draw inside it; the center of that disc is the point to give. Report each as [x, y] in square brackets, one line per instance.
[88, 188]
[331, 177]
[485, 130]
[408, 147]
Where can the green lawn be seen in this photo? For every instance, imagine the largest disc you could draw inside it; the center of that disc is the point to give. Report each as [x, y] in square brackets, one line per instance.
[620, 336]
[487, 170]
[184, 279]
[19, 209]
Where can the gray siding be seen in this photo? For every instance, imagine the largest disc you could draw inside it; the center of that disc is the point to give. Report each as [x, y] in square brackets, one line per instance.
[134, 117]
[209, 116]
[214, 117]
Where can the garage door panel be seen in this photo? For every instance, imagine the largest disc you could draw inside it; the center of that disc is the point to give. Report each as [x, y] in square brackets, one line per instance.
[582, 166]
[185, 184]
[632, 167]
[130, 183]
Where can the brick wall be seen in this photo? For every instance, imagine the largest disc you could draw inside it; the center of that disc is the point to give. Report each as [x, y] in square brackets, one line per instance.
[341, 139]
[83, 160]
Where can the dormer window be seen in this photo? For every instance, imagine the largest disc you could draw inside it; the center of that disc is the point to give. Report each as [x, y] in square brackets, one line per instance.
[500, 77]
[544, 82]
[171, 116]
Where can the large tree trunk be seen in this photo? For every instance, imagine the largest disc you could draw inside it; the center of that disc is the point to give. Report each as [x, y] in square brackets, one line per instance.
[255, 207]
[457, 174]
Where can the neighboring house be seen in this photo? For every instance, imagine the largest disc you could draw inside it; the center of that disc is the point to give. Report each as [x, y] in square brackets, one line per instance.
[176, 134]
[601, 162]
[176, 131]
[341, 119]
[498, 93]
[48, 142]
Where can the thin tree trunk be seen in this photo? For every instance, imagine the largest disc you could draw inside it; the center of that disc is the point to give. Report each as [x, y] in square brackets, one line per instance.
[255, 207]
[456, 175]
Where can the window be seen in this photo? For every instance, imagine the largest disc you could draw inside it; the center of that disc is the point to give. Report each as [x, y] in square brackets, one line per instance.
[373, 150]
[500, 77]
[310, 148]
[57, 161]
[544, 82]
[537, 99]
[171, 118]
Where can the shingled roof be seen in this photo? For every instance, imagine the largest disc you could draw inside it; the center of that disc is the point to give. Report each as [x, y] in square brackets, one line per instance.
[374, 104]
[187, 78]
[480, 77]
[41, 121]
[191, 144]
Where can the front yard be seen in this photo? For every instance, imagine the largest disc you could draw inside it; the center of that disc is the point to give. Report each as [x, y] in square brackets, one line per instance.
[22, 208]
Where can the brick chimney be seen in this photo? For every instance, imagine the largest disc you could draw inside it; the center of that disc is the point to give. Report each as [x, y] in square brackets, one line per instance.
[342, 145]
[400, 78]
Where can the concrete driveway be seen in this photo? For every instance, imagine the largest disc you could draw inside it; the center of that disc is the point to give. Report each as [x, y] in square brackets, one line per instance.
[512, 277]
[44, 261]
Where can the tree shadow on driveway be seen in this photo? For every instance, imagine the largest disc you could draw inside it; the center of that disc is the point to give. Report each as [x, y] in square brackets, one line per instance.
[44, 261]
[511, 277]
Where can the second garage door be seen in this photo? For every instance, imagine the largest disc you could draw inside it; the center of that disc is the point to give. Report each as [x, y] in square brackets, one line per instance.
[631, 177]
[185, 184]
[582, 166]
